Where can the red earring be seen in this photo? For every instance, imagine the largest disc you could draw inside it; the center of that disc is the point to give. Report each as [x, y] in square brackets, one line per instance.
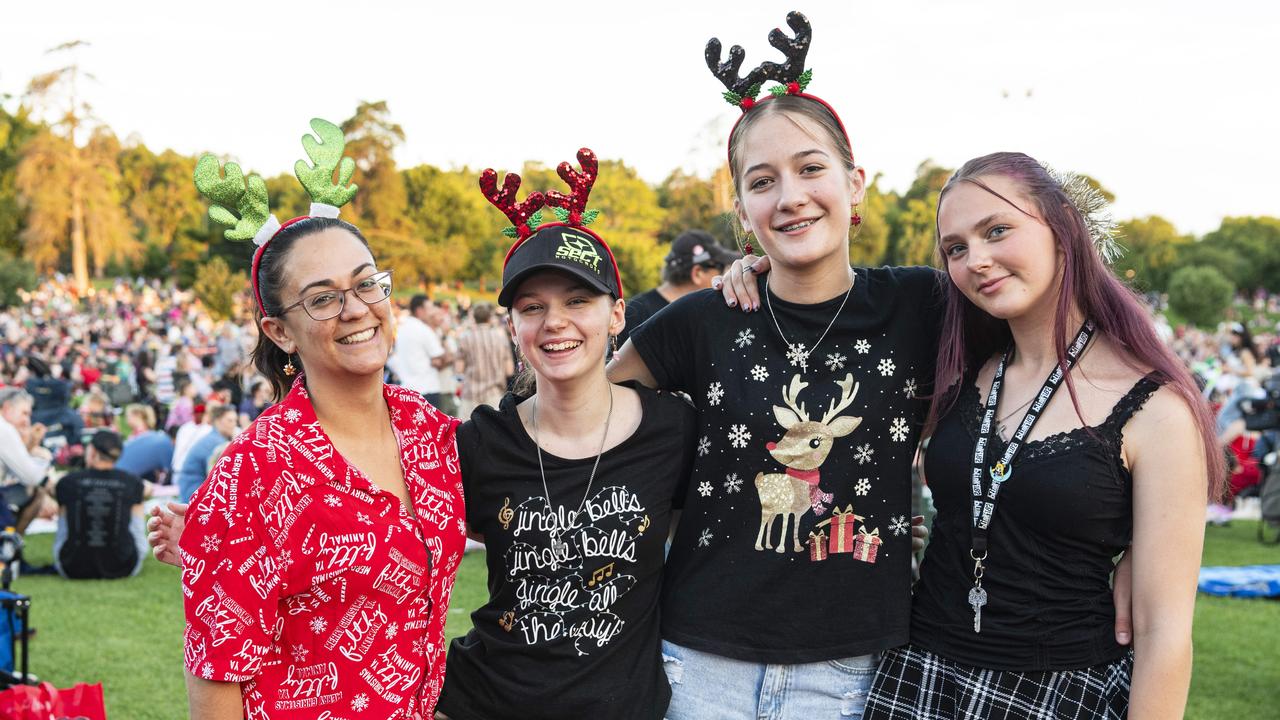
[855, 218]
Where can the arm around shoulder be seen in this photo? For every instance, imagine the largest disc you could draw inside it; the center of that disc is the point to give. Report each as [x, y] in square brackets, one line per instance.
[1170, 479]
[628, 365]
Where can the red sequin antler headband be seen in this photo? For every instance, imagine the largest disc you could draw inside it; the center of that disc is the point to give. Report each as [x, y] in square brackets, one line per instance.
[570, 210]
[524, 216]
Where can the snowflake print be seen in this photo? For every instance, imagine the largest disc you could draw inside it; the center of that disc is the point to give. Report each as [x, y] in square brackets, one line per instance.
[899, 525]
[862, 346]
[835, 361]
[206, 670]
[419, 417]
[864, 453]
[292, 415]
[759, 373]
[256, 489]
[704, 489]
[392, 629]
[704, 540]
[211, 543]
[704, 446]
[910, 388]
[318, 625]
[299, 654]
[363, 518]
[738, 436]
[886, 367]
[732, 483]
[420, 645]
[863, 486]
[744, 338]
[715, 393]
[360, 702]
[286, 559]
[898, 430]
[797, 356]
[332, 500]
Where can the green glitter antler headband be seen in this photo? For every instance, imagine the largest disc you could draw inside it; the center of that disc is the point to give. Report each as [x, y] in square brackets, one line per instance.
[327, 156]
[252, 218]
[247, 195]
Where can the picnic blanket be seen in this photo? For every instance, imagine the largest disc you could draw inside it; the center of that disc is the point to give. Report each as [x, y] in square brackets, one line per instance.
[1242, 581]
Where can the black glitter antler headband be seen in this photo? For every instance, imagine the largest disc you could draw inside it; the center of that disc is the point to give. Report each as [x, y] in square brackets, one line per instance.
[791, 75]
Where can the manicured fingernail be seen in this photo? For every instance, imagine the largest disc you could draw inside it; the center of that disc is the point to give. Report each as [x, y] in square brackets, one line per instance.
[730, 303]
[1124, 638]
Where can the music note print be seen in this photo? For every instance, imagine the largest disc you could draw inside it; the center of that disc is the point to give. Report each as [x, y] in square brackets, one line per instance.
[600, 574]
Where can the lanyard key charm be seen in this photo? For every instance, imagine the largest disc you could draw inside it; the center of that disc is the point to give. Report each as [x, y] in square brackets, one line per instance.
[977, 598]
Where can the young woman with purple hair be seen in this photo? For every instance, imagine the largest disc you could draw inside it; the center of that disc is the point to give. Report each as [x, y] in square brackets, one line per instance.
[1013, 612]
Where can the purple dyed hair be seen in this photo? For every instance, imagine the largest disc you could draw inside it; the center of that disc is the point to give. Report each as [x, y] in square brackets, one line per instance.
[971, 336]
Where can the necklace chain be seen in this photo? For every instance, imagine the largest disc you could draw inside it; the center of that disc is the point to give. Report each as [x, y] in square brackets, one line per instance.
[804, 356]
[1009, 414]
[533, 421]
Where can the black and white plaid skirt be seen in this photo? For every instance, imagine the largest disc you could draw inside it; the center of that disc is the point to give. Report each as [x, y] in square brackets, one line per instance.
[914, 684]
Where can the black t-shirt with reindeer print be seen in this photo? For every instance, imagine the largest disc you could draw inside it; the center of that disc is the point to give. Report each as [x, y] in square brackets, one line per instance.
[794, 545]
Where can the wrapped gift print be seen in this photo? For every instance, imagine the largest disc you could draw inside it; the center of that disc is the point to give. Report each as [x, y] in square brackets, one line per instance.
[842, 522]
[866, 545]
[818, 546]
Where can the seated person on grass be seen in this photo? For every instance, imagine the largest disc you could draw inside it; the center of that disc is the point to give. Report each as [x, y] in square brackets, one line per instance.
[24, 463]
[100, 521]
[148, 452]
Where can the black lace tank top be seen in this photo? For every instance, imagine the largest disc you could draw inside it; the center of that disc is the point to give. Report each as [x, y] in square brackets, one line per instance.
[1063, 515]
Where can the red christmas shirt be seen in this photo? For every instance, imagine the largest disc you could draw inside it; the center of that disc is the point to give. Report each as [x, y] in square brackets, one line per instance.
[313, 587]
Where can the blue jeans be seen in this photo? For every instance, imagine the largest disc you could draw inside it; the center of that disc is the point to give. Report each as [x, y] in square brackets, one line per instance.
[711, 687]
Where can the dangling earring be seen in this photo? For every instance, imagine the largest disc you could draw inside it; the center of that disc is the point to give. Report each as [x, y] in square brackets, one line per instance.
[855, 218]
[613, 344]
[747, 248]
[289, 370]
[519, 358]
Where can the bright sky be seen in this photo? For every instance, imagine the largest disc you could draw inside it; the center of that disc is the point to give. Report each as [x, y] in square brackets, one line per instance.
[1172, 104]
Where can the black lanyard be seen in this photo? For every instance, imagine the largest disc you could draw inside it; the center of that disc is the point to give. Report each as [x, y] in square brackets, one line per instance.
[984, 498]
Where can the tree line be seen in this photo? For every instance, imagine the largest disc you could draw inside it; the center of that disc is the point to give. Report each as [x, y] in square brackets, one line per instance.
[74, 198]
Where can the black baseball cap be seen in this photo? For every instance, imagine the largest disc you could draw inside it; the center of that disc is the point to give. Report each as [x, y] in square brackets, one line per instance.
[107, 443]
[573, 250]
[698, 247]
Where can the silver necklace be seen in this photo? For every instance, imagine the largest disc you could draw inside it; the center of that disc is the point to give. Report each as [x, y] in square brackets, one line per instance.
[559, 548]
[797, 354]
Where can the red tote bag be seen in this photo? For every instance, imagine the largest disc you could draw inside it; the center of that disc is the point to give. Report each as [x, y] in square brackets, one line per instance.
[46, 702]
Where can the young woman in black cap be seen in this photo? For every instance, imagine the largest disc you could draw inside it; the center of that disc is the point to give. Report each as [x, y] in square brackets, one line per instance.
[572, 482]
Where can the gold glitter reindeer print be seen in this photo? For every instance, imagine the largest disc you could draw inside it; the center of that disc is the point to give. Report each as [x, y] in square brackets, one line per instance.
[802, 450]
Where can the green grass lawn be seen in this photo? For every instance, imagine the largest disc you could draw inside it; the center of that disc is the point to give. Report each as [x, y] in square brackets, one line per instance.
[127, 634]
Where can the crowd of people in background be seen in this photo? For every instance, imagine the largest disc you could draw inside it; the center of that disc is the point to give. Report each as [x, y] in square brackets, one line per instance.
[135, 390]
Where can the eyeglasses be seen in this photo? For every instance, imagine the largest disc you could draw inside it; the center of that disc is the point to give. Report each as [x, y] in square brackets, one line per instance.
[328, 304]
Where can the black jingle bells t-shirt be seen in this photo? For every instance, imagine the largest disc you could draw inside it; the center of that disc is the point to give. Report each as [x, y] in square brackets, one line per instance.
[794, 545]
[569, 632]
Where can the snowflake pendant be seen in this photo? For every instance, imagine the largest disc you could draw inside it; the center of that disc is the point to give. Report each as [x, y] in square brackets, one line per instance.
[797, 356]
